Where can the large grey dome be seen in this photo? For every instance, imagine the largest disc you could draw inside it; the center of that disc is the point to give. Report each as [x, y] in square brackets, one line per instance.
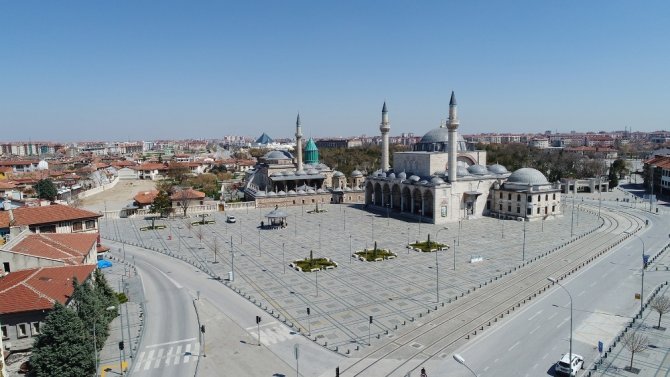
[437, 140]
[462, 172]
[498, 169]
[277, 155]
[528, 176]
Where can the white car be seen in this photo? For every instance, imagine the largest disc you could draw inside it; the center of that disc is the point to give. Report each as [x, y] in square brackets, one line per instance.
[565, 367]
[231, 219]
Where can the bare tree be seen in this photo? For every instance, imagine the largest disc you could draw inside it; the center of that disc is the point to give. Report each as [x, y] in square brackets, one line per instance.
[199, 232]
[635, 343]
[661, 304]
[215, 248]
[183, 200]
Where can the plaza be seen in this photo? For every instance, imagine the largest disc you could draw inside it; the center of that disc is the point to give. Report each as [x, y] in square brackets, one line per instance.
[394, 292]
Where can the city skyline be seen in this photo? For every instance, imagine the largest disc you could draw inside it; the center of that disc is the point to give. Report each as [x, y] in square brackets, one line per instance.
[132, 71]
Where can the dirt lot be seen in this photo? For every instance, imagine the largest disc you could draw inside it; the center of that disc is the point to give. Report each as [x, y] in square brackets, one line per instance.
[118, 196]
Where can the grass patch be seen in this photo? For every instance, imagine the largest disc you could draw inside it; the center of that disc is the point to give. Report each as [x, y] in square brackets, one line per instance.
[374, 254]
[429, 246]
[310, 264]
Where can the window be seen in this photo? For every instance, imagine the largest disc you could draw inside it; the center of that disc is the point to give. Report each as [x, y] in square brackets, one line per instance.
[5, 331]
[5, 266]
[509, 208]
[509, 196]
[48, 229]
[518, 209]
[77, 226]
[530, 198]
[90, 224]
[553, 209]
[500, 207]
[554, 196]
[34, 328]
[529, 211]
[22, 330]
[518, 197]
[539, 198]
[538, 210]
[500, 194]
[546, 197]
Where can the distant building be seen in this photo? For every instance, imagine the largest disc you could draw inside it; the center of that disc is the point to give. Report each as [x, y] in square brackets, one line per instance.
[339, 143]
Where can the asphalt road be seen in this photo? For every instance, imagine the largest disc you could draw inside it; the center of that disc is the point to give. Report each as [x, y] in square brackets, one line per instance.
[530, 342]
[170, 345]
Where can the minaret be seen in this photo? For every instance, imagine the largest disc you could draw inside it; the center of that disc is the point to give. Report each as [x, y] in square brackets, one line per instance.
[384, 127]
[298, 141]
[452, 125]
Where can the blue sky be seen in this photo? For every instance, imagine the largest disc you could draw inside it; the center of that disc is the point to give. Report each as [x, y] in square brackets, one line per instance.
[133, 70]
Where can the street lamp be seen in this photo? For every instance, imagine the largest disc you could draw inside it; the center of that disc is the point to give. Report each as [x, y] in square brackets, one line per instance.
[461, 361]
[642, 280]
[569, 295]
[95, 341]
[572, 220]
[523, 251]
[319, 237]
[437, 267]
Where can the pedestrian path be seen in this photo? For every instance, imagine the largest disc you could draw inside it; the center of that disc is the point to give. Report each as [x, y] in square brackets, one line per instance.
[271, 333]
[167, 354]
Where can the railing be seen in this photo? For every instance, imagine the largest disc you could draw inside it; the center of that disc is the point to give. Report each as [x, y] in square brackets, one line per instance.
[240, 205]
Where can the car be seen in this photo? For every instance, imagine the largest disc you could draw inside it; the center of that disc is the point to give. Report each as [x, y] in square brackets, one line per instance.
[567, 368]
[231, 219]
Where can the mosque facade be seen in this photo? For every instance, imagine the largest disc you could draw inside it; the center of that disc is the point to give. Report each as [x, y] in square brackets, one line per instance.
[444, 180]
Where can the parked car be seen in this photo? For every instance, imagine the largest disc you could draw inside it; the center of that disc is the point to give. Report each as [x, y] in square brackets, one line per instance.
[568, 368]
[231, 219]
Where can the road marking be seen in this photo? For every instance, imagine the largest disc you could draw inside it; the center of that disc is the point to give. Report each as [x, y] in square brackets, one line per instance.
[563, 321]
[168, 343]
[147, 365]
[513, 345]
[179, 286]
[552, 316]
[485, 369]
[535, 315]
[535, 329]
[605, 274]
[535, 366]
[139, 361]
[545, 356]
[168, 357]
[177, 356]
[261, 326]
[196, 350]
[593, 284]
[159, 358]
[496, 360]
[581, 293]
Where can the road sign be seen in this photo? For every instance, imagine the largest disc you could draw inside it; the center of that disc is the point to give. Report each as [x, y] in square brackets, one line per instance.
[202, 329]
[637, 296]
[645, 259]
[600, 346]
[258, 319]
[307, 311]
[296, 351]
[371, 319]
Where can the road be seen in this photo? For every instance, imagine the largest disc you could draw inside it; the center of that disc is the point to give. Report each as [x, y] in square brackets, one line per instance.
[171, 285]
[530, 343]
[170, 346]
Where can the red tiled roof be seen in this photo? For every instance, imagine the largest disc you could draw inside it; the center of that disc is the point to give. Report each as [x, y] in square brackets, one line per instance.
[146, 197]
[187, 194]
[45, 215]
[68, 247]
[150, 166]
[39, 288]
[7, 185]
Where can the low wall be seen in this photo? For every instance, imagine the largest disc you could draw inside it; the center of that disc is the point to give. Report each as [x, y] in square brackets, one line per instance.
[99, 189]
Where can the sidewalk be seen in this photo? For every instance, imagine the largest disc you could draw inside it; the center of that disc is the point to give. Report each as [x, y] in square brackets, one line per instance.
[122, 278]
[655, 361]
[232, 349]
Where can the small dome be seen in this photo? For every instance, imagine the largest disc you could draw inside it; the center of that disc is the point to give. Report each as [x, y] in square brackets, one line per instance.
[338, 174]
[478, 169]
[276, 155]
[301, 192]
[528, 176]
[276, 174]
[312, 172]
[356, 173]
[391, 175]
[42, 165]
[402, 175]
[272, 193]
[423, 182]
[414, 178]
[382, 174]
[300, 172]
[462, 172]
[337, 189]
[436, 180]
[320, 191]
[291, 192]
[260, 193]
[310, 191]
[281, 193]
[347, 189]
[498, 169]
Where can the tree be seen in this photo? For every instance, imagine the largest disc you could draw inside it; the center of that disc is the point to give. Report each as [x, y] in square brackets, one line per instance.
[105, 294]
[90, 310]
[161, 204]
[661, 304]
[635, 343]
[206, 183]
[215, 248]
[178, 172]
[63, 348]
[46, 189]
[183, 200]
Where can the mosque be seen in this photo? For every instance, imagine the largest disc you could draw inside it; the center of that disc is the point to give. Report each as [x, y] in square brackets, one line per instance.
[444, 180]
[280, 179]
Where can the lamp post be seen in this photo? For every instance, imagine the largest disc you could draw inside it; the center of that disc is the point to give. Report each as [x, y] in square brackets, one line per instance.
[523, 251]
[259, 242]
[572, 215]
[437, 267]
[232, 260]
[95, 341]
[569, 295]
[407, 240]
[461, 361]
[319, 237]
[651, 182]
[388, 216]
[642, 280]
[350, 255]
[283, 262]
[344, 219]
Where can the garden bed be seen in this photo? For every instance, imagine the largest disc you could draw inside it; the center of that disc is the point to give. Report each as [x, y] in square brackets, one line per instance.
[428, 247]
[312, 265]
[373, 255]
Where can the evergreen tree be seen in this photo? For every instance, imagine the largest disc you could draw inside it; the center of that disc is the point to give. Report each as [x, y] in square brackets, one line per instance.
[90, 310]
[105, 294]
[63, 348]
[161, 204]
[46, 189]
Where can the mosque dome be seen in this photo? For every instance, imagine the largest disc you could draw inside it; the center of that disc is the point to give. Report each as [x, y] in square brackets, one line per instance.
[423, 182]
[477, 169]
[291, 192]
[414, 178]
[311, 191]
[281, 193]
[402, 175]
[260, 193]
[528, 176]
[272, 193]
[437, 140]
[498, 169]
[436, 180]
[276, 155]
[391, 175]
[462, 172]
[300, 172]
[356, 173]
[382, 174]
[320, 191]
[338, 174]
[312, 171]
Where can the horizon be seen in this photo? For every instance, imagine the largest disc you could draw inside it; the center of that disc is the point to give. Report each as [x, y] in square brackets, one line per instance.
[134, 71]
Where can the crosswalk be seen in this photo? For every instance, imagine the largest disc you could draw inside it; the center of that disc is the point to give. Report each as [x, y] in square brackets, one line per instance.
[167, 354]
[271, 333]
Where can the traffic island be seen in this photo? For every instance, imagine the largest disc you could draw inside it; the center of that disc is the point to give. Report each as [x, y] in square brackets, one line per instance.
[428, 246]
[374, 255]
[312, 264]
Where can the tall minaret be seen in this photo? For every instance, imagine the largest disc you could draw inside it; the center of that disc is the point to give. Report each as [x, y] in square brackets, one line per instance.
[384, 127]
[452, 125]
[298, 141]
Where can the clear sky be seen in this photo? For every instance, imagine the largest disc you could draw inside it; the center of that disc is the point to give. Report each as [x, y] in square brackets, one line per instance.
[138, 69]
